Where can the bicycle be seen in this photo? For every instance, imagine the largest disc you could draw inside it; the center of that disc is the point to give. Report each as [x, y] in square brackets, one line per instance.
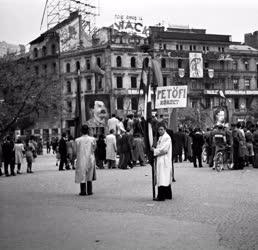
[222, 160]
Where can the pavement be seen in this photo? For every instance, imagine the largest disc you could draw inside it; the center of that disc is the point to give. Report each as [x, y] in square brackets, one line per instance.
[209, 210]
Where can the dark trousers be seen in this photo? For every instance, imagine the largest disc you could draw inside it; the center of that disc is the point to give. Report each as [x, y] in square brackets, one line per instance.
[125, 160]
[164, 192]
[178, 157]
[111, 163]
[86, 188]
[100, 163]
[6, 165]
[63, 161]
[198, 156]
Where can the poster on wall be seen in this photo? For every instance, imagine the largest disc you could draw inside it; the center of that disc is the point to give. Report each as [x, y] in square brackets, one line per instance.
[97, 110]
[171, 97]
[196, 65]
[220, 115]
[70, 36]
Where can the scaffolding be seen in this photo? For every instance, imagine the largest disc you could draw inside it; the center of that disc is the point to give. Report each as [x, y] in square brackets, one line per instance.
[55, 11]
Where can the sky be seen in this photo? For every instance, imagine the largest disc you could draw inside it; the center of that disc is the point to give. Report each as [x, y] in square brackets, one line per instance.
[20, 19]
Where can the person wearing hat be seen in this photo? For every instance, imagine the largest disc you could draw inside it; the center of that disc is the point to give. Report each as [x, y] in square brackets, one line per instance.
[85, 170]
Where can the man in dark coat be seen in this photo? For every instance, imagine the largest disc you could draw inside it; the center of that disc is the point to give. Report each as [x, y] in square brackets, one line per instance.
[8, 156]
[100, 152]
[179, 138]
[63, 153]
[125, 149]
[198, 142]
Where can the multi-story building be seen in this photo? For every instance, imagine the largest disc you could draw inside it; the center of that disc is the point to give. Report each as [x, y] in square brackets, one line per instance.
[229, 69]
[119, 55]
[107, 67]
[44, 53]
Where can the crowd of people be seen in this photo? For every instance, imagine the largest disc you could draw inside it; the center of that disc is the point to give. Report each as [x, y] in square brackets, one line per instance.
[239, 143]
[13, 153]
[123, 147]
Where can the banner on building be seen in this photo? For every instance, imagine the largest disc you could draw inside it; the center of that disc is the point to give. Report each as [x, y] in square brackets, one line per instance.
[69, 35]
[196, 65]
[171, 97]
[211, 73]
[181, 73]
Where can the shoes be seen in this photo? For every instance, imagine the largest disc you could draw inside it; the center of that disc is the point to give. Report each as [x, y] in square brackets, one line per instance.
[61, 169]
[158, 199]
[18, 172]
[173, 180]
[7, 175]
[195, 166]
[200, 166]
[13, 174]
[90, 193]
[82, 193]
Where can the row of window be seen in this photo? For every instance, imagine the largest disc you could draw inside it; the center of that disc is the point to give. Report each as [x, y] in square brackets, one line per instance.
[44, 51]
[236, 103]
[223, 65]
[99, 85]
[189, 47]
[45, 69]
[119, 104]
[88, 66]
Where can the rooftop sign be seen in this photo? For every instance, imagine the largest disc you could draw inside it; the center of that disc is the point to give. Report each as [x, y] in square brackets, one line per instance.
[131, 25]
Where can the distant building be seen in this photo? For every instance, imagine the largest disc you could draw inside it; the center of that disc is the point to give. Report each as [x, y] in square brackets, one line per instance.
[11, 49]
[251, 39]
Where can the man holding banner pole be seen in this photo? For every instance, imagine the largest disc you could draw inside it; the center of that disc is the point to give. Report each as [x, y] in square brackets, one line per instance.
[157, 154]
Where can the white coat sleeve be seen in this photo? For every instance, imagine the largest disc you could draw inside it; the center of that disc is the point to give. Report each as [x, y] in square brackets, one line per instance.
[163, 147]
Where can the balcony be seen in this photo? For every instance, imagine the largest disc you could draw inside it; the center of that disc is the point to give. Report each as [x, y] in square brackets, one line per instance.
[129, 91]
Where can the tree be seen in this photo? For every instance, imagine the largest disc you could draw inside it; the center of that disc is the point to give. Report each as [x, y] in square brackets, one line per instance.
[194, 117]
[23, 94]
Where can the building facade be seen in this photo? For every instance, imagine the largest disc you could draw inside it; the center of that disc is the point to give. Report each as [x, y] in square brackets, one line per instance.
[108, 67]
[120, 57]
[228, 69]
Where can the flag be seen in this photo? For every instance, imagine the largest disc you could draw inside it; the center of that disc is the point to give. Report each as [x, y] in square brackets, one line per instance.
[157, 74]
[147, 71]
[77, 118]
[221, 93]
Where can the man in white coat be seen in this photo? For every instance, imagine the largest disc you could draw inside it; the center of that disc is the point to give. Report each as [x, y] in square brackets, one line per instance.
[163, 163]
[113, 123]
[111, 149]
[85, 171]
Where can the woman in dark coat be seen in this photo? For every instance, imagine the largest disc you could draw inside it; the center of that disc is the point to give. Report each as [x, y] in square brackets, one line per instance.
[100, 152]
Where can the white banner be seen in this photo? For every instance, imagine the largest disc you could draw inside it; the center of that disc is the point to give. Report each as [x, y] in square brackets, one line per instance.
[171, 97]
[196, 65]
[70, 36]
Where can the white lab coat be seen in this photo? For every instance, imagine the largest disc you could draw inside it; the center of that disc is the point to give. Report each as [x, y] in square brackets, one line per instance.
[85, 169]
[163, 162]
